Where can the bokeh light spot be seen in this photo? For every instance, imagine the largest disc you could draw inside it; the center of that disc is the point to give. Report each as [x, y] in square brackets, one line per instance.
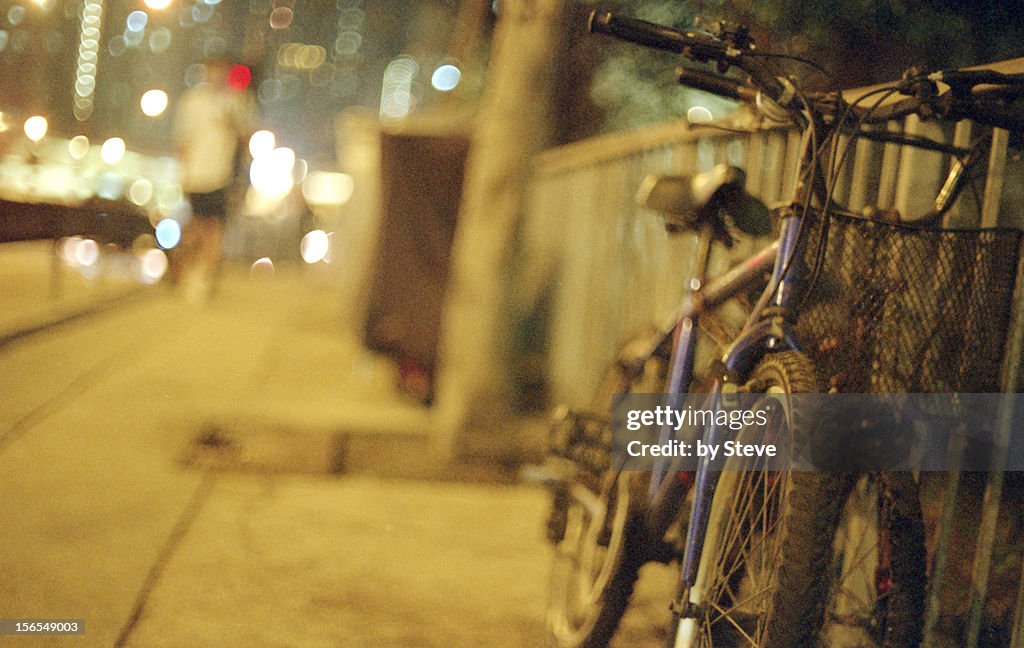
[153, 102]
[168, 233]
[87, 252]
[153, 265]
[262, 269]
[136, 21]
[78, 147]
[141, 191]
[112, 150]
[445, 78]
[35, 128]
[239, 77]
[160, 40]
[261, 143]
[16, 14]
[699, 115]
[313, 246]
[281, 18]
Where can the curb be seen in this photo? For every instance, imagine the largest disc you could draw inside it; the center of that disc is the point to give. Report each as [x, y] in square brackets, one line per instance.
[70, 314]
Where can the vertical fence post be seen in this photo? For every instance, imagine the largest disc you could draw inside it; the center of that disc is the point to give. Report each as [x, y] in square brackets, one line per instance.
[889, 171]
[956, 217]
[933, 611]
[994, 183]
[1011, 378]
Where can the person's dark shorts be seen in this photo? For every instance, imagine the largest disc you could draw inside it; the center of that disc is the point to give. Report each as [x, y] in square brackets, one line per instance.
[209, 205]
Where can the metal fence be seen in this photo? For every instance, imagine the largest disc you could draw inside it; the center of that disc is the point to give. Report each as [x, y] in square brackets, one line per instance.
[612, 272]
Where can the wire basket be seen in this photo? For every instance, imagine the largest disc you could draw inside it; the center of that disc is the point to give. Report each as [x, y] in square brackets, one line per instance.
[898, 309]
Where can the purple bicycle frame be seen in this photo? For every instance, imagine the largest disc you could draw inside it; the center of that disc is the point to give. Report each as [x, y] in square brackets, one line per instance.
[758, 338]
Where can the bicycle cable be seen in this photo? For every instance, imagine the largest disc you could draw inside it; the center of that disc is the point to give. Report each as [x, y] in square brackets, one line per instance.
[812, 141]
[799, 59]
[831, 179]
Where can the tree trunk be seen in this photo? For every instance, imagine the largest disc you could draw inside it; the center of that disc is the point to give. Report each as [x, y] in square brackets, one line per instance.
[512, 124]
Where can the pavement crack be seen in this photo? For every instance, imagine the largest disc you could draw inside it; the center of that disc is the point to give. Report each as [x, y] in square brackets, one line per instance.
[167, 553]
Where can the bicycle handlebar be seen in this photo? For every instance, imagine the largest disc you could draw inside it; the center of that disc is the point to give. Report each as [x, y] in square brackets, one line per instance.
[716, 84]
[705, 48]
[655, 36]
[969, 78]
[698, 47]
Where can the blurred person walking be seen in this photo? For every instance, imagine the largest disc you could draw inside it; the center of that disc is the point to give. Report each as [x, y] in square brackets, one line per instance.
[213, 123]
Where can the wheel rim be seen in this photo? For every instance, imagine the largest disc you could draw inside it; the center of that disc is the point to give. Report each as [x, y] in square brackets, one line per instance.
[858, 594]
[586, 560]
[734, 588]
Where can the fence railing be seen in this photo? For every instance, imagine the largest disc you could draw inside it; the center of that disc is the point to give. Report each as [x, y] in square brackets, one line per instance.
[610, 270]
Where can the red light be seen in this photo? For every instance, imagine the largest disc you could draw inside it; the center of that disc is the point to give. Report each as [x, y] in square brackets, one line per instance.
[239, 77]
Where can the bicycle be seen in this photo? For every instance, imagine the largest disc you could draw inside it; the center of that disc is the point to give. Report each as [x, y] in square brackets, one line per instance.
[769, 558]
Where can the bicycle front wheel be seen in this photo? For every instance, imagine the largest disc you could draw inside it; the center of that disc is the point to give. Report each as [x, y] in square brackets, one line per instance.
[806, 558]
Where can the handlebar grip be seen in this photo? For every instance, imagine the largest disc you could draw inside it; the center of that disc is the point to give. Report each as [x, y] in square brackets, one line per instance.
[972, 78]
[715, 84]
[637, 31]
[655, 36]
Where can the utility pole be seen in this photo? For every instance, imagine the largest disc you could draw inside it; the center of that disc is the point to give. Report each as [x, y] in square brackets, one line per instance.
[511, 125]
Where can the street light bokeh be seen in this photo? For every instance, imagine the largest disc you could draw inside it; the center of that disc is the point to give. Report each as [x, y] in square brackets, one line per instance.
[35, 128]
[112, 150]
[78, 146]
[314, 246]
[271, 174]
[168, 233]
[446, 77]
[153, 102]
[261, 142]
[141, 191]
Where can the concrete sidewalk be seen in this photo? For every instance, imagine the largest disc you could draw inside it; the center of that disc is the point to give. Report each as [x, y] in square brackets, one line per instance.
[171, 475]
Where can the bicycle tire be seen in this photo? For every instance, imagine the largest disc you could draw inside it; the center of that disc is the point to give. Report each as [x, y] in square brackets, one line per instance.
[766, 575]
[596, 566]
[883, 609]
[605, 584]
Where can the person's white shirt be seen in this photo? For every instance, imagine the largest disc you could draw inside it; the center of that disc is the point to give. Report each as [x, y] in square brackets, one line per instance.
[210, 124]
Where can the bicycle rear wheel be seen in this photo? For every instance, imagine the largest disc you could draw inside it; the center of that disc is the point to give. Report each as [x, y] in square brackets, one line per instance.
[595, 566]
[806, 559]
[598, 531]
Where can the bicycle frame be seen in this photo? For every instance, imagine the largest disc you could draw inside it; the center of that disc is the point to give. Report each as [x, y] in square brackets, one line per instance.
[761, 336]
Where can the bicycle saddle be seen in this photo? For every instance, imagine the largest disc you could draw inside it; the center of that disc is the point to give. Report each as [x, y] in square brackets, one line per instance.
[714, 197]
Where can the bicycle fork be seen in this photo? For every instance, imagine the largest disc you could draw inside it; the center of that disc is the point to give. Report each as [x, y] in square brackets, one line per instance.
[760, 336]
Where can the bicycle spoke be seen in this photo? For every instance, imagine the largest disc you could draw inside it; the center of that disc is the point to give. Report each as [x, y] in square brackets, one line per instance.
[743, 556]
[736, 606]
[738, 627]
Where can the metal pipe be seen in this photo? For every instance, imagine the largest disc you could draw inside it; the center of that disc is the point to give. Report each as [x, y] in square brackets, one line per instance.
[1004, 424]
[933, 611]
